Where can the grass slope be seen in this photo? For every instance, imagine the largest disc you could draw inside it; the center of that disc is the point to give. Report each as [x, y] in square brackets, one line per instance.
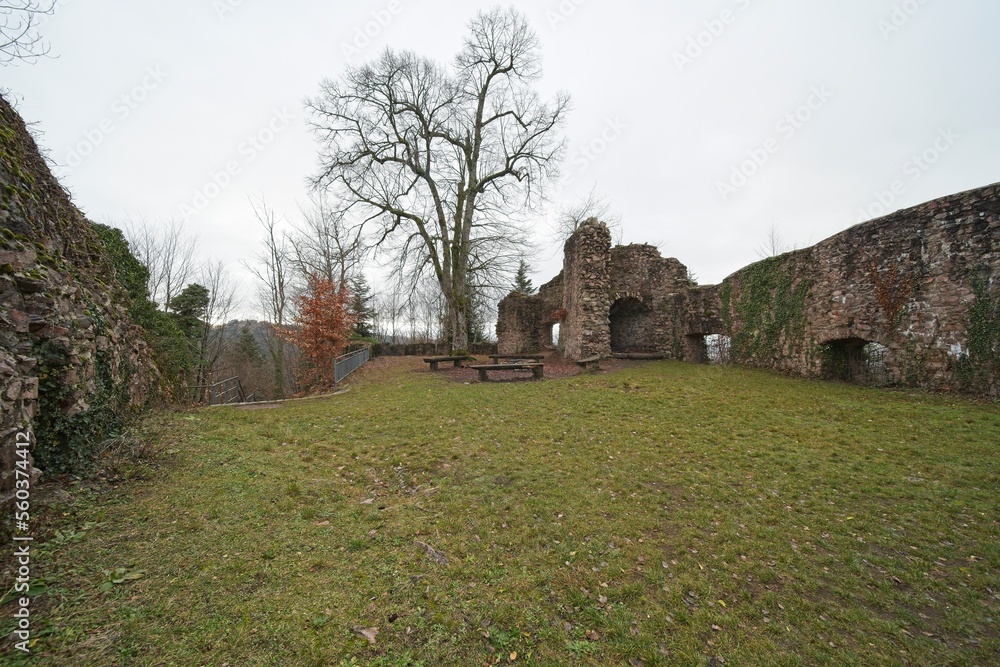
[668, 514]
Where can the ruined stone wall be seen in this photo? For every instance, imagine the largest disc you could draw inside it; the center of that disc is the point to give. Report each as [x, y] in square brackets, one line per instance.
[923, 284]
[71, 362]
[586, 331]
[524, 321]
[908, 281]
[645, 289]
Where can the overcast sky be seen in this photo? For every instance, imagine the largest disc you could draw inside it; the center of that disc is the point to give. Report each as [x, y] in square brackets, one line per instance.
[704, 122]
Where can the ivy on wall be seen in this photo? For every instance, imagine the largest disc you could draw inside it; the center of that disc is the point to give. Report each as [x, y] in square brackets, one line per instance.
[978, 370]
[69, 438]
[893, 291]
[768, 302]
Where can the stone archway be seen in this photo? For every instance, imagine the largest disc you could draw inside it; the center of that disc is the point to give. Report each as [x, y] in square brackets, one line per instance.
[633, 327]
[856, 360]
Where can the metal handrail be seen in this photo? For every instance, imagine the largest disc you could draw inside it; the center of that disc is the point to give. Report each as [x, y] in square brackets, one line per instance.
[348, 363]
[224, 392]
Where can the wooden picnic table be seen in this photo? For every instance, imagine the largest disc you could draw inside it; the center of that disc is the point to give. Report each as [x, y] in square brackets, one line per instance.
[434, 361]
[534, 357]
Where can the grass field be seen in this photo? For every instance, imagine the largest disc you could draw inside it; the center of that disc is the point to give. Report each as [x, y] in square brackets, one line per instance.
[666, 514]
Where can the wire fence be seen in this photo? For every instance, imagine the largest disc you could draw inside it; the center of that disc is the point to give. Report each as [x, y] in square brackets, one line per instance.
[224, 392]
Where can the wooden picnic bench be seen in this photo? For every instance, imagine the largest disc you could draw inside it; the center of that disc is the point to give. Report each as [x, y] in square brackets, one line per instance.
[537, 370]
[590, 363]
[534, 357]
[640, 356]
[434, 361]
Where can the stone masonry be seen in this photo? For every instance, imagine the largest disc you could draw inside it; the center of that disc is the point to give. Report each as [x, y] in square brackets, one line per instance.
[906, 283]
[63, 331]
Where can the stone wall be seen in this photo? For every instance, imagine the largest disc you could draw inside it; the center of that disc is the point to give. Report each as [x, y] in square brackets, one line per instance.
[524, 323]
[71, 362]
[907, 282]
[585, 331]
[916, 292]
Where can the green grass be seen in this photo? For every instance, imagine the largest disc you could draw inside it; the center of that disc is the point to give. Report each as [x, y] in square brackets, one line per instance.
[669, 514]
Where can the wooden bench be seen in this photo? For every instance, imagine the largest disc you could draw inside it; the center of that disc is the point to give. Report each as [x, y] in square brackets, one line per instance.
[590, 363]
[434, 361]
[510, 357]
[640, 356]
[537, 370]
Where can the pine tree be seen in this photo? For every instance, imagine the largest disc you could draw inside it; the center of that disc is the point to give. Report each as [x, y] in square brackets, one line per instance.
[522, 283]
[247, 350]
[361, 307]
[189, 308]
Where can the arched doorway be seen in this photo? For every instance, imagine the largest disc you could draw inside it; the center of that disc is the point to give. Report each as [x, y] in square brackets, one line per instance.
[856, 360]
[632, 326]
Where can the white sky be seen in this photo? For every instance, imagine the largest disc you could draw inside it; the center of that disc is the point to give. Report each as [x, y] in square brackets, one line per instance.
[888, 80]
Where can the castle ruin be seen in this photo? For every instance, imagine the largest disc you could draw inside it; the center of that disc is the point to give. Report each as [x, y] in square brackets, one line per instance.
[910, 299]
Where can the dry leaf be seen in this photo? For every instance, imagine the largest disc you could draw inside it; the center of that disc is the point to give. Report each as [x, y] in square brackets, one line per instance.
[367, 633]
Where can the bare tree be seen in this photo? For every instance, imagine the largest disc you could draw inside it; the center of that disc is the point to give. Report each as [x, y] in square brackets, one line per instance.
[439, 164]
[167, 252]
[388, 308]
[19, 36]
[570, 217]
[323, 244]
[222, 301]
[273, 272]
[773, 244]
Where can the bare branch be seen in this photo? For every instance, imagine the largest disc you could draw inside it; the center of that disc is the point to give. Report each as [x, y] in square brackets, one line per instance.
[440, 165]
[20, 40]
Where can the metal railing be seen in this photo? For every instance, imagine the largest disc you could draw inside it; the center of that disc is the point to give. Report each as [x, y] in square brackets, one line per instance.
[347, 364]
[221, 393]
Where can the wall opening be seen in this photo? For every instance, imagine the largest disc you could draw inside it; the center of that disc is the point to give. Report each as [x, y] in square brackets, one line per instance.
[717, 348]
[856, 360]
[707, 349]
[554, 334]
[632, 326]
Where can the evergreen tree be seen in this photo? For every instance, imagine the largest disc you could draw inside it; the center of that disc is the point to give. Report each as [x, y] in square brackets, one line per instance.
[189, 308]
[361, 307]
[522, 283]
[247, 350]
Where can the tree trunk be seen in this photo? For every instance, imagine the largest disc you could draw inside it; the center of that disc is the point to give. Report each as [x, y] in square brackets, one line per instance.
[460, 329]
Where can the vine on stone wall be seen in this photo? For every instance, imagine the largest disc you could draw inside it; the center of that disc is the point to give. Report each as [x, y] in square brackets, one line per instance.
[68, 440]
[978, 370]
[769, 306]
[893, 291]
